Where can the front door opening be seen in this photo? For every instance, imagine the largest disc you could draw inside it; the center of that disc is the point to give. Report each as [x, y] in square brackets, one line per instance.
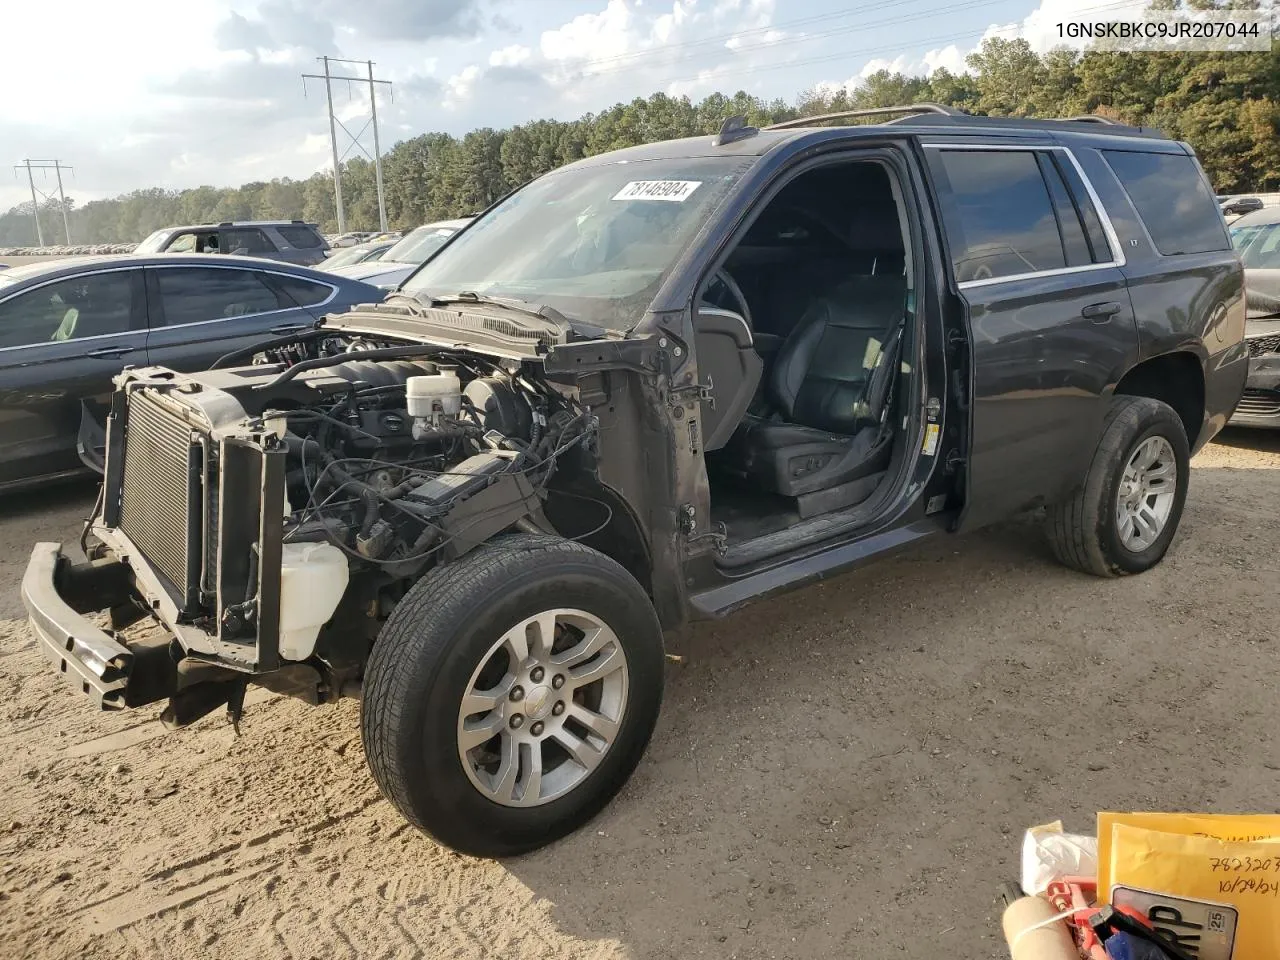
[802, 333]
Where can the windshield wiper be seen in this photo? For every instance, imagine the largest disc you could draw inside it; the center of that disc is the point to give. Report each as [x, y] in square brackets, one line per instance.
[541, 311]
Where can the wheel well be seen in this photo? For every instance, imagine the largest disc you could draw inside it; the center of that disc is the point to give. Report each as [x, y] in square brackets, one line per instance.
[1174, 378]
[594, 515]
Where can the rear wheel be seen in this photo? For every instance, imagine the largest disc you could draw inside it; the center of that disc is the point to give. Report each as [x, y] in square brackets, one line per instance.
[1124, 516]
[512, 693]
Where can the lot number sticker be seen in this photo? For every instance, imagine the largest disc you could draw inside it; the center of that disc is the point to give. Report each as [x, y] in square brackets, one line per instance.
[676, 190]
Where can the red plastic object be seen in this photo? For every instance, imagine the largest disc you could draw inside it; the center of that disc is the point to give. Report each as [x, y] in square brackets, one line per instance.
[1080, 895]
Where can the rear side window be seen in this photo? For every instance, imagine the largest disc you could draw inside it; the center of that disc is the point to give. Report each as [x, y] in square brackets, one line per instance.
[1001, 222]
[248, 240]
[304, 238]
[1173, 200]
[196, 294]
[299, 292]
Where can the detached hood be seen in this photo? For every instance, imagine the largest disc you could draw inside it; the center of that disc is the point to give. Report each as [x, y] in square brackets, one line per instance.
[381, 273]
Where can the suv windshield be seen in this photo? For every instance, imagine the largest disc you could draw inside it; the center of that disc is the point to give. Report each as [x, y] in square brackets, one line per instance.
[592, 242]
[152, 243]
[419, 244]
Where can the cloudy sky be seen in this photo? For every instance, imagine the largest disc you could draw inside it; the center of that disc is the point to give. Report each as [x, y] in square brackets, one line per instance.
[151, 92]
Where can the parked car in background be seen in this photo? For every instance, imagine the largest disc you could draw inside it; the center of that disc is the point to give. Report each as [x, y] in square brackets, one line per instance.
[351, 239]
[67, 327]
[405, 256]
[362, 253]
[292, 241]
[1237, 206]
[1256, 238]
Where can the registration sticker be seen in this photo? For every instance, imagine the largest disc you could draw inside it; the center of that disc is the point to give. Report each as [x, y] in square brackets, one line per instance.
[676, 190]
[1207, 931]
[931, 432]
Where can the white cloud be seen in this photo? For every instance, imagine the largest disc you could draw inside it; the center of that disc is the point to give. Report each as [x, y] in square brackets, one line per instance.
[1039, 28]
[511, 56]
[458, 87]
[591, 35]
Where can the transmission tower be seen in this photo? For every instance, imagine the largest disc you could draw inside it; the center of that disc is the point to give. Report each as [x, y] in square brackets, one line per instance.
[354, 139]
[57, 168]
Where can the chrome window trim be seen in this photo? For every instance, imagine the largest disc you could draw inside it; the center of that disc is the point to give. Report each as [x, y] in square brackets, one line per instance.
[333, 291]
[13, 295]
[119, 268]
[1108, 229]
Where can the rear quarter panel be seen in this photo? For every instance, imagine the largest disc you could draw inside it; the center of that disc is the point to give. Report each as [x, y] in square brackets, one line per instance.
[1192, 303]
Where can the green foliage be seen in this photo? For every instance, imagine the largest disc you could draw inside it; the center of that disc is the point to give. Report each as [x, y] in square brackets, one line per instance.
[1226, 105]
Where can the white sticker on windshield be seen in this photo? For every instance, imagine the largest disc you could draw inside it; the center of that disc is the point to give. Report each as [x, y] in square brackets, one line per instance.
[677, 190]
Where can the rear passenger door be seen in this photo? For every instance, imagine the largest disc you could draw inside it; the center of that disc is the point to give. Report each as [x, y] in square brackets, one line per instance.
[245, 242]
[198, 313]
[61, 343]
[1038, 269]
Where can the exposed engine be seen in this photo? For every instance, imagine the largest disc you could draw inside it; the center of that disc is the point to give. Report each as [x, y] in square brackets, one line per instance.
[378, 470]
[272, 499]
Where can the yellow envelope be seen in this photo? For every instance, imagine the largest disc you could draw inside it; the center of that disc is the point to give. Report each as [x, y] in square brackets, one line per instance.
[1219, 826]
[1217, 899]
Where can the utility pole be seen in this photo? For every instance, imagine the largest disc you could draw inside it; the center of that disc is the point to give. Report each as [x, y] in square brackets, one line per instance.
[334, 123]
[333, 143]
[57, 167]
[377, 151]
[35, 206]
[62, 202]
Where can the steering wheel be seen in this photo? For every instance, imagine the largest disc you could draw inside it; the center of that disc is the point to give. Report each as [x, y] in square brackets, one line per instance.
[722, 278]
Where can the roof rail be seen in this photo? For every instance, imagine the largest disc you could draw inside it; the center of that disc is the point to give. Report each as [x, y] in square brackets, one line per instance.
[1091, 118]
[869, 112]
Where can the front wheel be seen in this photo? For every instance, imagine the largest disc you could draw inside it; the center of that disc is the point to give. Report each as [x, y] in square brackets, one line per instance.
[512, 693]
[1122, 519]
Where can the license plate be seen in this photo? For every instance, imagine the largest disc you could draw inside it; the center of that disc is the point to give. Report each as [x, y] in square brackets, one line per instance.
[1204, 930]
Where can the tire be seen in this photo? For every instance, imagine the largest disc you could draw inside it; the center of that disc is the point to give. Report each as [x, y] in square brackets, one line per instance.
[1084, 531]
[437, 645]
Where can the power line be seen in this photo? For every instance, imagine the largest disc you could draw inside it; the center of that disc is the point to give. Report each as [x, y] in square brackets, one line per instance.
[57, 168]
[354, 139]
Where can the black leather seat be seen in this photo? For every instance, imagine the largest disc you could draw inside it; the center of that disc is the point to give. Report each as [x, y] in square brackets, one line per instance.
[829, 388]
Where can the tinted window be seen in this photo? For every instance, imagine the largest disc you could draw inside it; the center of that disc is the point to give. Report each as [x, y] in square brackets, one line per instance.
[1259, 245]
[1070, 229]
[195, 294]
[1094, 235]
[1001, 222]
[304, 238]
[299, 292]
[246, 240]
[1173, 200]
[87, 306]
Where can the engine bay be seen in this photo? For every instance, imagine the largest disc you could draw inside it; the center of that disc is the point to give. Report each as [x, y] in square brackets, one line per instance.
[307, 488]
[377, 466]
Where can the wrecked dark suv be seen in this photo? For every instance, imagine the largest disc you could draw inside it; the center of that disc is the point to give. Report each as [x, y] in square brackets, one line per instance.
[643, 389]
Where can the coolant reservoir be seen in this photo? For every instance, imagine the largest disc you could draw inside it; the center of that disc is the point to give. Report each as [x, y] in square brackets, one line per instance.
[429, 396]
[313, 577]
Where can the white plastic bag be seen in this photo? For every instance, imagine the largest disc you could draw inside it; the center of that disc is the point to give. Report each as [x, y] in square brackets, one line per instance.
[1048, 854]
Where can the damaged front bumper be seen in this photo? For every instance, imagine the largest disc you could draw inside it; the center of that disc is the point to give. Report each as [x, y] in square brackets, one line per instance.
[57, 594]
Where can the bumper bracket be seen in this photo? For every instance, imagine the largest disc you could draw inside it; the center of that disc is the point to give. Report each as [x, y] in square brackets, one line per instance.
[85, 652]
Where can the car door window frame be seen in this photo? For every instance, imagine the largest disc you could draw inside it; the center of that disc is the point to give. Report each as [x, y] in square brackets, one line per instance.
[1112, 238]
[155, 300]
[137, 306]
